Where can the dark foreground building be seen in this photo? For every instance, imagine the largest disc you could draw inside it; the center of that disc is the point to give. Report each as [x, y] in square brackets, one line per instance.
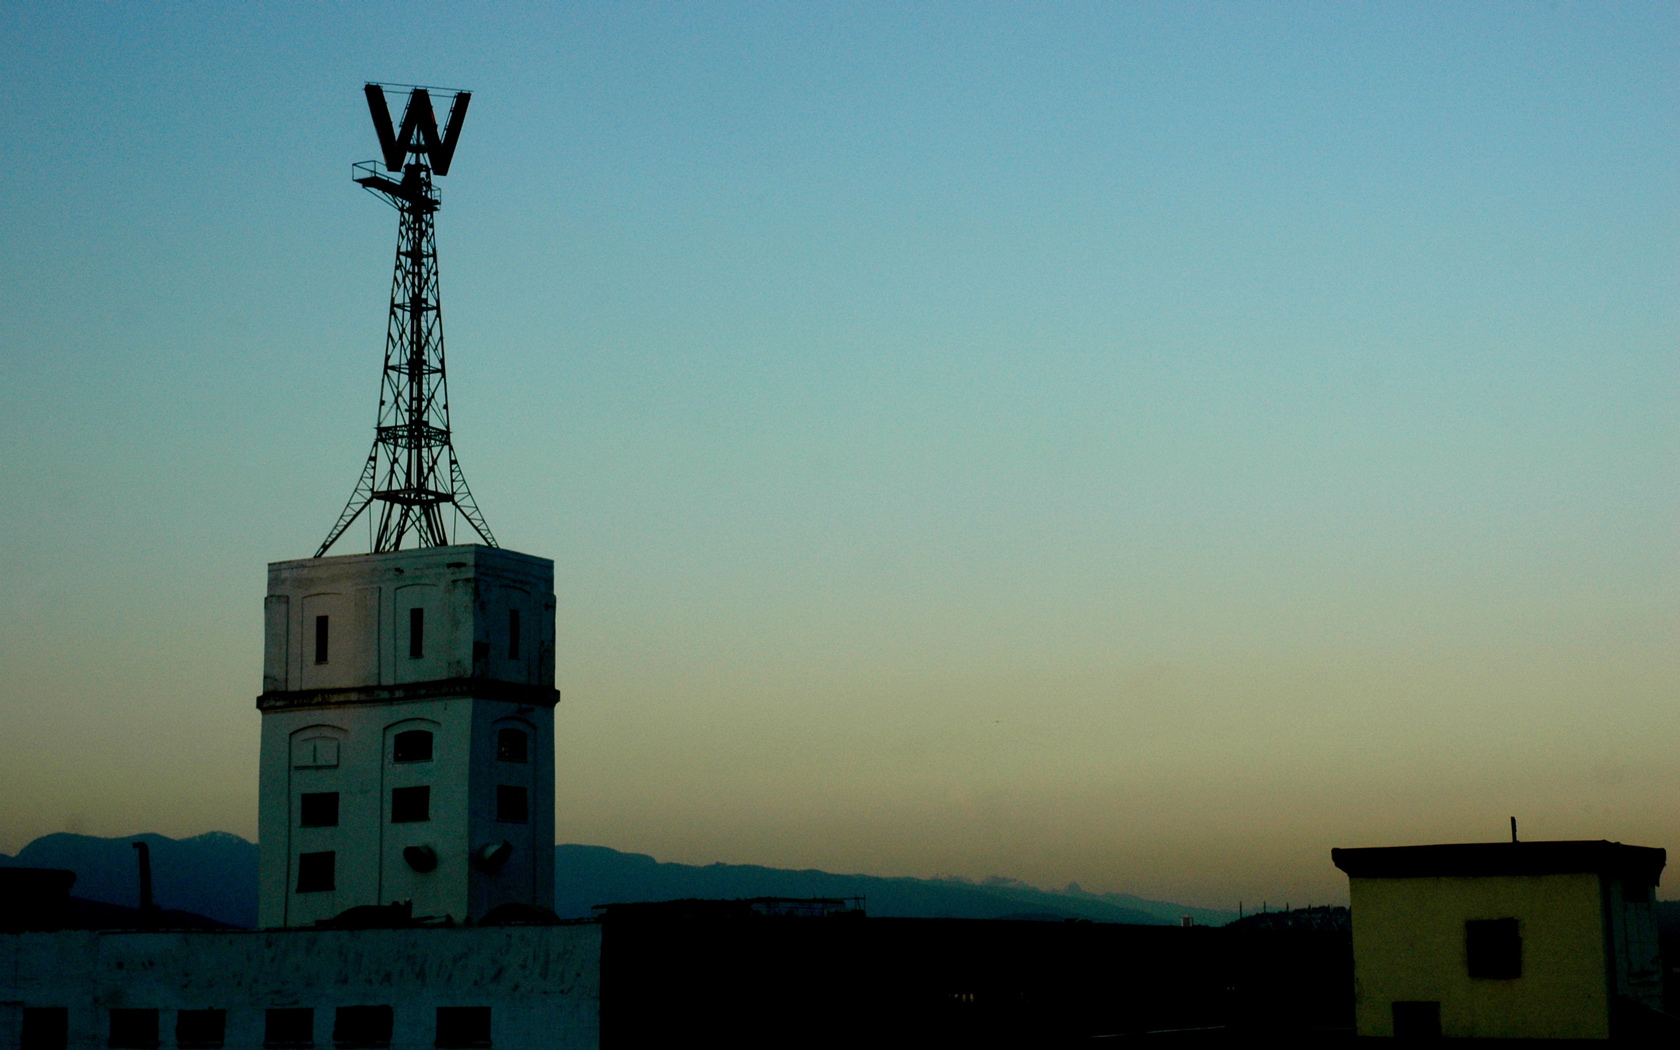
[761, 974]
[755, 973]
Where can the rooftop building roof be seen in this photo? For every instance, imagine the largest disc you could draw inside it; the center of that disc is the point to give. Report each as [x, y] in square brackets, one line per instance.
[1504, 858]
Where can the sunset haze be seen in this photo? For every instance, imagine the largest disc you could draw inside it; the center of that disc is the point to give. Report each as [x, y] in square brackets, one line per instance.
[1137, 445]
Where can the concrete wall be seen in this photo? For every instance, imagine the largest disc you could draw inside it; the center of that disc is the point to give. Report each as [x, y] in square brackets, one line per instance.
[1409, 944]
[542, 983]
[466, 592]
[329, 726]
[463, 774]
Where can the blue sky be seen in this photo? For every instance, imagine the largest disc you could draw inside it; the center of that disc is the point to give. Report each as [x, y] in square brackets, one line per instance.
[1139, 444]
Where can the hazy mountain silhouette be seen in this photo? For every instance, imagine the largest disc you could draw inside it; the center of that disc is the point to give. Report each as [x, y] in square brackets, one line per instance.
[215, 875]
[585, 876]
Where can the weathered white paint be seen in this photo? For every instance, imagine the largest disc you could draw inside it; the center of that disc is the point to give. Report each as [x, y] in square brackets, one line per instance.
[328, 727]
[542, 983]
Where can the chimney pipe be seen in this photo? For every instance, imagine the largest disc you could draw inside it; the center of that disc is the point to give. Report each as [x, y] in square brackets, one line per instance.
[146, 906]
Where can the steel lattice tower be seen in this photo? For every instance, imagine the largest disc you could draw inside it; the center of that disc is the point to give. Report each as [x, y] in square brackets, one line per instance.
[411, 469]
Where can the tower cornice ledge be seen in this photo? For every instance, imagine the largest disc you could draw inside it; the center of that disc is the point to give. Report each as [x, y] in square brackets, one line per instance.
[439, 689]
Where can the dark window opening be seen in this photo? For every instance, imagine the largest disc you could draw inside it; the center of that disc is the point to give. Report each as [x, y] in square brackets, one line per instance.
[315, 872]
[1493, 948]
[511, 745]
[320, 639]
[318, 809]
[513, 634]
[292, 1026]
[1635, 892]
[481, 656]
[362, 1026]
[134, 1029]
[416, 633]
[200, 1029]
[511, 805]
[1417, 1020]
[463, 1027]
[412, 745]
[45, 1028]
[411, 805]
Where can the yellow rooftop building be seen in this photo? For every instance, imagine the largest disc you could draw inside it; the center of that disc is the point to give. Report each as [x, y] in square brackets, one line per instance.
[1504, 940]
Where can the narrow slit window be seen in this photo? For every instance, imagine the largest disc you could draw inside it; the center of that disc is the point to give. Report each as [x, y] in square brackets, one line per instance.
[416, 633]
[513, 634]
[320, 639]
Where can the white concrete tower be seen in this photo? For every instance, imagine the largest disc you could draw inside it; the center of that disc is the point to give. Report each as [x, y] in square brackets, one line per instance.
[408, 734]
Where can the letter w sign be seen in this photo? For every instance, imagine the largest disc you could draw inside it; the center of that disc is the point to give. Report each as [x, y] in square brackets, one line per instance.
[419, 132]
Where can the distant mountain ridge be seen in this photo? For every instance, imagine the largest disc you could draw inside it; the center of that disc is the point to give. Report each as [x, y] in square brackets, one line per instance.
[215, 875]
[585, 876]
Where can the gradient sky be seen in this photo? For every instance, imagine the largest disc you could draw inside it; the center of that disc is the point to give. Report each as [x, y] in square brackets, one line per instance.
[1139, 444]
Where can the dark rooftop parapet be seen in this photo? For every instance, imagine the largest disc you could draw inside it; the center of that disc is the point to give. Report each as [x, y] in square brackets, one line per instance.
[1595, 857]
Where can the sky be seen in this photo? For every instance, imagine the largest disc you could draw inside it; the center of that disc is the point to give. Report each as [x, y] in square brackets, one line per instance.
[1141, 444]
